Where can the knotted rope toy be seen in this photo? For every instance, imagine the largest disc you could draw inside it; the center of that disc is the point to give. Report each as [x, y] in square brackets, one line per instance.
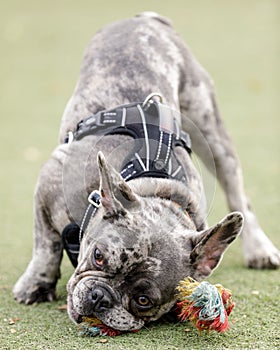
[205, 305]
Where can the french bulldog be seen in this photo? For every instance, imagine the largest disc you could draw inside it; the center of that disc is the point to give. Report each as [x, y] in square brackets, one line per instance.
[149, 232]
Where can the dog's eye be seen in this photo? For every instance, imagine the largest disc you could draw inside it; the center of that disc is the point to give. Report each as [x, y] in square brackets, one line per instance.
[98, 257]
[143, 301]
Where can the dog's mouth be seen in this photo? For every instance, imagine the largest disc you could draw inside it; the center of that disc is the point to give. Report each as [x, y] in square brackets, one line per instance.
[115, 319]
[97, 300]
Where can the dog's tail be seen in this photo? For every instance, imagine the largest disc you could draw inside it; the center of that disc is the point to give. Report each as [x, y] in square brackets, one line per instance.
[156, 16]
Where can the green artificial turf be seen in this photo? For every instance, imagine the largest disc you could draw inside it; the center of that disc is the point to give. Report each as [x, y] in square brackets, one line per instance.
[42, 43]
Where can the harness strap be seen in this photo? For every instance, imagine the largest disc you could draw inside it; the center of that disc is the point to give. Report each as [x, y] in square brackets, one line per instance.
[72, 234]
[94, 204]
[156, 130]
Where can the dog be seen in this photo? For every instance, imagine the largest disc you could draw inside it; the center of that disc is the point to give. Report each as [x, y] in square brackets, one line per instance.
[147, 228]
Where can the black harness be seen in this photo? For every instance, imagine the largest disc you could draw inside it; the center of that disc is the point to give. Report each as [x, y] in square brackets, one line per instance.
[156, 131]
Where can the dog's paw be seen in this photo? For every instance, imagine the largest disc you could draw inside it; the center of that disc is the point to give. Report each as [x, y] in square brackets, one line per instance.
[29, 294]
[260, 252]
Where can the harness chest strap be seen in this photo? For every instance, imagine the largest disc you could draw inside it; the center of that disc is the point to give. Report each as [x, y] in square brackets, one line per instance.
[72, 234]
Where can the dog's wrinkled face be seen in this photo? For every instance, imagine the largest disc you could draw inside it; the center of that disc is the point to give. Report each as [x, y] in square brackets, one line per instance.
[136, 251]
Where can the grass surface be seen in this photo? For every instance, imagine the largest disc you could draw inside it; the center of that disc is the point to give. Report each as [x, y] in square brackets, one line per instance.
[41, 47]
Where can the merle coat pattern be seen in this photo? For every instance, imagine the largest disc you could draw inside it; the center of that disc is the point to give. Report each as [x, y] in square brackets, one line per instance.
[141, 242]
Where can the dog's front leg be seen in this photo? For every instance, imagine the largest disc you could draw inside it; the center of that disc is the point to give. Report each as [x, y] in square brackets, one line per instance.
[39, 280]
[213, 145]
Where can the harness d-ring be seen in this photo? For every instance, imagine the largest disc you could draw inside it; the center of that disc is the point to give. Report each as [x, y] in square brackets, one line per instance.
[149, 97]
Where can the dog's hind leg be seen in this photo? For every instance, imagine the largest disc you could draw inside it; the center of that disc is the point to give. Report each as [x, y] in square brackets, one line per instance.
[212, 144]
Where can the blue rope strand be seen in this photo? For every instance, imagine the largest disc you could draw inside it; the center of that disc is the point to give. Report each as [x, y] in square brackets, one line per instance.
[207, 297]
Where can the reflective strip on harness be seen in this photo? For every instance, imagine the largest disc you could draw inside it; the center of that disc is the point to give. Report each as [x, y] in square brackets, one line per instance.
[156, 128]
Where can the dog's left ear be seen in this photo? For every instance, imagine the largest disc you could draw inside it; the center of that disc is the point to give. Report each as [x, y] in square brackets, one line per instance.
[116, 195]
[210, 244]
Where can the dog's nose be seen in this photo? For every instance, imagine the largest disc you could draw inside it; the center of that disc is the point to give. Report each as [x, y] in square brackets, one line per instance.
[96, 296]
[100, 300]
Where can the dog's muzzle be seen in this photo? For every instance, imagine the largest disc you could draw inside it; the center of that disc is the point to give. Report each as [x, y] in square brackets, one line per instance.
[97, 299]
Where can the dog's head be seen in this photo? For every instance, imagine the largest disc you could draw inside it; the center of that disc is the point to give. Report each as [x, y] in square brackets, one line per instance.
[134, 253]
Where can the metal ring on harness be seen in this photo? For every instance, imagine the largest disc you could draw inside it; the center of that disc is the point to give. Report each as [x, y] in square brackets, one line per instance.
[149, 97]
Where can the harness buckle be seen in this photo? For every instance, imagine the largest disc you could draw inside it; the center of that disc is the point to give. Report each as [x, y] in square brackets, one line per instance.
[150, 98]
[94, 198]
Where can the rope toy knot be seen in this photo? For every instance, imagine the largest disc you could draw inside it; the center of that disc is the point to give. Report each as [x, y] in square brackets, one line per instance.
[207, 306]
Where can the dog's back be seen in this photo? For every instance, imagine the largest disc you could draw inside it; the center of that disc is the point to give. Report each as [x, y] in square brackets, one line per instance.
[125, 62]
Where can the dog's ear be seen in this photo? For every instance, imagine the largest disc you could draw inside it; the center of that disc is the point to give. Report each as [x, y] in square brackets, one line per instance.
[210, 244]
[116, 195]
